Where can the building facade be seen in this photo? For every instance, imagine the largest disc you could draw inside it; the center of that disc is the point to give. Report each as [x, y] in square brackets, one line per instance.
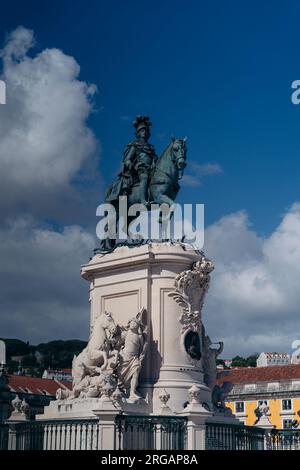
[278, 387]
[58, 374]
[266, 359]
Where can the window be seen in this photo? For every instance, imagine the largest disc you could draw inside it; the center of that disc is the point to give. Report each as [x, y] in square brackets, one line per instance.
[287, 423]
[239, 407]
[286, 405]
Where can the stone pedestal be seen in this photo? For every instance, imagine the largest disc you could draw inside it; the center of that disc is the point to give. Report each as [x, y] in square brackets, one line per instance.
[165, 283]
[197, 417]
[128, 279]
[265, 423]
[84, 408]
[168, 280]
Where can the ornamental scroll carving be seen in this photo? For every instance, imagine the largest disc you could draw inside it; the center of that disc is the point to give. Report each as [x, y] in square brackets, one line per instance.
[190, 289]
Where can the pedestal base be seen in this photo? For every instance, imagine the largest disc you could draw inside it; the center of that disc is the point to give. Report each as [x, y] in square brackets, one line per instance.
[87, 408]
[129, 279]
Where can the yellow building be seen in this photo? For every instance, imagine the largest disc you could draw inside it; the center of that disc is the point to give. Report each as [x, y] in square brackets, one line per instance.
[278, 386]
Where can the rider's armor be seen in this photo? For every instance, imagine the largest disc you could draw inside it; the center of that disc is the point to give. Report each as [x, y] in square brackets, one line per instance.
[139, 158]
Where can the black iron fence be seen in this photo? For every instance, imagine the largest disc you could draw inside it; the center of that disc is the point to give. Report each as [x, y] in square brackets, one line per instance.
[131, 433]
[283, 439]
[233, 437]
[3, 436]
[150, 432]
[140, 433]
[55, 435]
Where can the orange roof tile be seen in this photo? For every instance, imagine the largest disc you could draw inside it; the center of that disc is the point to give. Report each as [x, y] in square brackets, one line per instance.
[260, 374]
[36, 385]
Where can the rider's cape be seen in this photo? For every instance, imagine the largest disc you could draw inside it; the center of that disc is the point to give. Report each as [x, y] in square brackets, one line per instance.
[114, 190]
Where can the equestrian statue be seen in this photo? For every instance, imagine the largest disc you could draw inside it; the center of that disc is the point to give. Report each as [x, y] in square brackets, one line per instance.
[145, 178]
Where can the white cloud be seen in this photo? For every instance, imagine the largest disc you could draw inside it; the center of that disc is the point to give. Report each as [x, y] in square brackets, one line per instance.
[45, 144]
[42, 294]
[44, 137]
[253, 303]
[195, 173]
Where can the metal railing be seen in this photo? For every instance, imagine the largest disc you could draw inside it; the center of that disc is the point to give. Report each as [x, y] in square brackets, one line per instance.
[283, 439]
[150, 432]
[57, 435]
[131, 433]
[233, 437]
[140, 433]
[3, 436]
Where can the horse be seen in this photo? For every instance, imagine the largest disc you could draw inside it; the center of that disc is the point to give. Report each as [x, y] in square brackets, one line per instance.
[94, 357]
[163, 184]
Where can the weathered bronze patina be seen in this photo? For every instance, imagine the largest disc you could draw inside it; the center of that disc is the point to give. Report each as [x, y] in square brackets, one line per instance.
[145, 178]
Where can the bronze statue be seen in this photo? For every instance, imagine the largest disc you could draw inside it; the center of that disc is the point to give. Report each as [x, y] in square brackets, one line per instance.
[139, 159]
[146, 179]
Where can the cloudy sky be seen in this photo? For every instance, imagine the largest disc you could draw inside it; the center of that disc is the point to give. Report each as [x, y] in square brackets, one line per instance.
[76, 76]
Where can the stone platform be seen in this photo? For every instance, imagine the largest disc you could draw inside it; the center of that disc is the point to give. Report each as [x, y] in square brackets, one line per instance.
[169, 280]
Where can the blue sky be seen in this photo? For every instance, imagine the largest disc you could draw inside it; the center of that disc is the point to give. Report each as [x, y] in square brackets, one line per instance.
[219, 73]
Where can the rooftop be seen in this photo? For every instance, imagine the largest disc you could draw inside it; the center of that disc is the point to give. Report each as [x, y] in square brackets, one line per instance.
[280, 354]
[259, 374]
[35, 385]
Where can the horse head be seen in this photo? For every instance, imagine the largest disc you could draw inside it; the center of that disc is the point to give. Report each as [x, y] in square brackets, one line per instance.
[107, 322]
[167, 171]
[179, 151]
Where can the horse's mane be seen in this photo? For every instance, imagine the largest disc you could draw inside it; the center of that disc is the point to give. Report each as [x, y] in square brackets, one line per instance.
[165, 152]
[103, 314]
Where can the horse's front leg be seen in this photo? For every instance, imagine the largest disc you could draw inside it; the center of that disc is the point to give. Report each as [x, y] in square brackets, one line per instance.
[105, 359]
[108, 243]
[164, 215]
[134, 238]
[159, 196]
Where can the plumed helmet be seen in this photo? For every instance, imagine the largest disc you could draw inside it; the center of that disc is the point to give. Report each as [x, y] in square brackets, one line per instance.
[141, 122]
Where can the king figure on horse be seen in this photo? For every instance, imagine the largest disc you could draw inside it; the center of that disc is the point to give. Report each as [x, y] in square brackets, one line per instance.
[139, 159]
[146, 179]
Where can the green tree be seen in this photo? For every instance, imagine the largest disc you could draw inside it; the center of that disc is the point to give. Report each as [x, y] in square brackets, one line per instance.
[55, 354]
[16, 347]
[29, 361]
[59, 354]
[12, 366]
[34, 371]
[251, 360]
[239, 361]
